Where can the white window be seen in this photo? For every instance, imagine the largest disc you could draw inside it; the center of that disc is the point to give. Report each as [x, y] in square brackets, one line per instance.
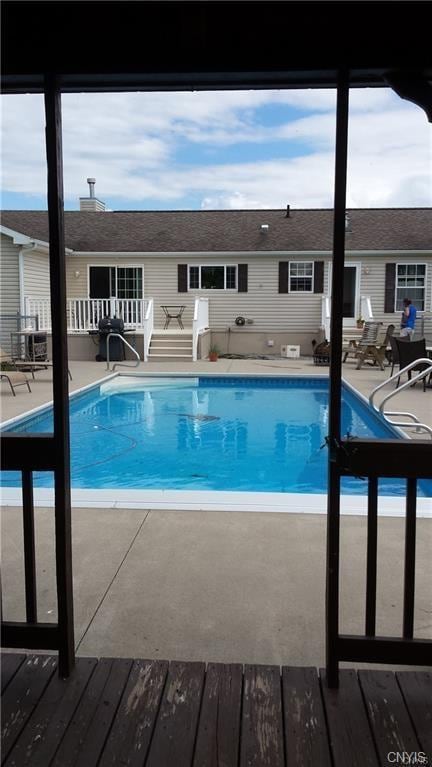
[410, 283]
[205, 277]
[301, 276]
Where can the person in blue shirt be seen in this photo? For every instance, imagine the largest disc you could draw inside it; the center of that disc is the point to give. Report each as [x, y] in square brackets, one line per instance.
[408, 319]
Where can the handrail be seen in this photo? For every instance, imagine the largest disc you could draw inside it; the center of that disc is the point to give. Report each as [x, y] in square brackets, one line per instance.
[422, 374]
[126, 343]
[148, 328]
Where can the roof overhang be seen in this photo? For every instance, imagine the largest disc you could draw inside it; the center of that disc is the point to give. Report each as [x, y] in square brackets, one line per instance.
[212, 45]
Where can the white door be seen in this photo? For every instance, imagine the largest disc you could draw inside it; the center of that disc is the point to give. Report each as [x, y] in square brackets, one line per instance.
[351, 293]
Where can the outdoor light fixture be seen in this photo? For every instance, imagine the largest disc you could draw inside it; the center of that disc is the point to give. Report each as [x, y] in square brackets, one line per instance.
[77, 273]
[264, 228]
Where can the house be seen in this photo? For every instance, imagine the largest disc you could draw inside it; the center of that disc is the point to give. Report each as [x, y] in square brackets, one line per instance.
[270, 267]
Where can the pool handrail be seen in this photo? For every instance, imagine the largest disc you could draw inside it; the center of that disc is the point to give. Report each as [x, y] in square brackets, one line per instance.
[126, 343]
[418, 425]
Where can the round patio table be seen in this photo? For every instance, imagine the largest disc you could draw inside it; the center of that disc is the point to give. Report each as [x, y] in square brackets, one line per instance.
[173, 312]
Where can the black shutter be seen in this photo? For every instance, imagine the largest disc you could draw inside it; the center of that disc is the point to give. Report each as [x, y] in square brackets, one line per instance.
[242, 278]
[319, 277]
[182, 281]
[283, 276]
[390, 288]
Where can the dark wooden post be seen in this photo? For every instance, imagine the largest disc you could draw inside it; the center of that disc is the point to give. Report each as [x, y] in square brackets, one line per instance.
[63, 531]
[333, 495]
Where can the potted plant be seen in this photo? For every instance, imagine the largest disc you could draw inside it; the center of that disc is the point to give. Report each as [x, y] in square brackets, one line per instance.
[213, 353]
[360, 322]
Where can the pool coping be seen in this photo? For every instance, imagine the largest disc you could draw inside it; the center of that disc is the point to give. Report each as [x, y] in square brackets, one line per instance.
[211, 500]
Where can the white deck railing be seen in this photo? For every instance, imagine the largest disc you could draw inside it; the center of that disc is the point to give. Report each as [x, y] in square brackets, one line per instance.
[148, 327]
[83, 314]
[200, 323]
[365, 311]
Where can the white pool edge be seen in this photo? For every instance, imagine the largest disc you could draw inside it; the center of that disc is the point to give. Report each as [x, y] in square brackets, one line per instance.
[218, 500]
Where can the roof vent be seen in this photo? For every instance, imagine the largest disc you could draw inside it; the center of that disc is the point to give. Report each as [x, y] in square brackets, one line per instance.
[264, 228]
[287, 215]
[91, 203]
[91, 182]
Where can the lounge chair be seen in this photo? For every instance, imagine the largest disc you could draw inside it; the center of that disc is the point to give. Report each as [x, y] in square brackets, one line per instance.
[368, 338]
[13, 377]
[29, 365]
[376, 352]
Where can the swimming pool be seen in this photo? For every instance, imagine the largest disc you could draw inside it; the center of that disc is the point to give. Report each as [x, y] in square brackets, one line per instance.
[225, 433]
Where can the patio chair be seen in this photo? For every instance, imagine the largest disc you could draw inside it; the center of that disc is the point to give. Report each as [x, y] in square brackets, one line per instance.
[394, 351]
[368, 338]
[376, 352]
[410, 352]
[13, 377]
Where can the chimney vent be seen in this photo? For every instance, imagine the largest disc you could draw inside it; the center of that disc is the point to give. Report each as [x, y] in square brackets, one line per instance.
[287, 212]
[91, 203]
[91, 182]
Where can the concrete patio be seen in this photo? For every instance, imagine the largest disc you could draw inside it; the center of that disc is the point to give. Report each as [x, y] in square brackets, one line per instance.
[228, 587]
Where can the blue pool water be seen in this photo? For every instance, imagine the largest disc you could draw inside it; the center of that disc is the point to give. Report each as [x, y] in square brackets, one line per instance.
[263, 435]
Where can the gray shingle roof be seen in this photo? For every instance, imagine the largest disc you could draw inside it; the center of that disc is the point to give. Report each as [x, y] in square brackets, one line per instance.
[230, 230]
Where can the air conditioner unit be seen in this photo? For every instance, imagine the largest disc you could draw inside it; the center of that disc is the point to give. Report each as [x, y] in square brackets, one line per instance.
[293, 352]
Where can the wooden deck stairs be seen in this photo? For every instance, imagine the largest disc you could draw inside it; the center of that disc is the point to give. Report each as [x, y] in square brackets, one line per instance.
[170, 347]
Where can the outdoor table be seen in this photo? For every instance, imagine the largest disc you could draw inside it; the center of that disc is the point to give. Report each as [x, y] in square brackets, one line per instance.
[173, 312]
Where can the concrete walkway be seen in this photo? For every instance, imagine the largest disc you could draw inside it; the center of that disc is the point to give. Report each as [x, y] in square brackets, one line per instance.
[229, 587]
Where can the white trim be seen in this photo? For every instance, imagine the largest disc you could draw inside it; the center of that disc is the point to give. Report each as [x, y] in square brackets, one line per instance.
[218, 500]
[185, 254]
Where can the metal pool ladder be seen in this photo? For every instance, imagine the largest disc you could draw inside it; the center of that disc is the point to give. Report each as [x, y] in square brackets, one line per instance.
[414, 423]
[126, 343]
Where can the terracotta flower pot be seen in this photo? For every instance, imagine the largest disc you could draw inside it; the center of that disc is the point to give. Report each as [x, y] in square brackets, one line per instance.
[213, 356]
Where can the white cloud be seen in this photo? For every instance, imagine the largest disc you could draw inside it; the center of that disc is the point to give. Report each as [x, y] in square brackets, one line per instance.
[156, 146]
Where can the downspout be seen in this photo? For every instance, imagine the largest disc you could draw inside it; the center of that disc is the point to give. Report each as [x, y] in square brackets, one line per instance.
[21, 280]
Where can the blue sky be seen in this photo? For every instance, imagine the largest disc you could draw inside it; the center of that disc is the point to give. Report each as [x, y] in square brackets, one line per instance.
[219, 150]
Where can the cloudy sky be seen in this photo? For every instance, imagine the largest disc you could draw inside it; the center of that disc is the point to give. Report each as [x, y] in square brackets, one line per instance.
[208, 150]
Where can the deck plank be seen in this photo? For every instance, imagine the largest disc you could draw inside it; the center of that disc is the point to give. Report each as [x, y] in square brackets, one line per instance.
[262, 728]
[350, 735]
[130, 736]
[306, 739]
[176, 726]
[85, 737]
[416, 688]
[10, 663]
[390, 722]
[38, 743]
[219, 723]
[22, 696]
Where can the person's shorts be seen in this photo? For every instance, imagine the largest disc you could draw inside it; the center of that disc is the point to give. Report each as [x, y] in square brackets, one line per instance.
[407, 332]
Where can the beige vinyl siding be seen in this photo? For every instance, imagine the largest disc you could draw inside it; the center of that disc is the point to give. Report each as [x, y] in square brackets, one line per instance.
[268, 308]
[9, 268]
[9, 290]
[36, 274]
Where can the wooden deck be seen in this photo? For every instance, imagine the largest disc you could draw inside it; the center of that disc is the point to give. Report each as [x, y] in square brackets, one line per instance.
[160, 714]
